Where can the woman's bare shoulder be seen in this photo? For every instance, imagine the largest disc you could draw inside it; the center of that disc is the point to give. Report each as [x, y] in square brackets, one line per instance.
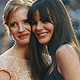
[66, 50]
[66, 53]
[68, 62]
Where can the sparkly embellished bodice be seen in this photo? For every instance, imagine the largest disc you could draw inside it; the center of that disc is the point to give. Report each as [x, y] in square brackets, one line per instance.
[18, 69]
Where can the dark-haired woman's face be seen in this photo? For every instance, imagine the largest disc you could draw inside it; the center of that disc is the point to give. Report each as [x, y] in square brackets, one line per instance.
[43, 29]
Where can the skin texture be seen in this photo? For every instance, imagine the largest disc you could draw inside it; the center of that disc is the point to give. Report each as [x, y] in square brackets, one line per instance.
[67, 59]
[4, 75]
[68, 62]
[19, 27]
[42, 29]
[20, 30]
[62, 43]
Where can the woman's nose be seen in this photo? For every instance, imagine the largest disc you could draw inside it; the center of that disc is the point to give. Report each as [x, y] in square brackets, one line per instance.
[39, 26]
[21, 28]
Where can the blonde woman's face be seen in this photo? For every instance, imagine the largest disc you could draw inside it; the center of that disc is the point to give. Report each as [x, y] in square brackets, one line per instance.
[19, 26]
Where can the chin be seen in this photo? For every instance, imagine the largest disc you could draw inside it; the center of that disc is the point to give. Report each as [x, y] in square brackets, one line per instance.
[42, 42]
[24, 42]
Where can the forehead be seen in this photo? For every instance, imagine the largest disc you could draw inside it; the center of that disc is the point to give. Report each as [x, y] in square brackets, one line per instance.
[21, 11]
[19, 15]
[37, 15]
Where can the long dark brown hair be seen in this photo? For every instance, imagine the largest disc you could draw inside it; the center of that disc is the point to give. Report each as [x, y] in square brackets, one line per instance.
[55, 11]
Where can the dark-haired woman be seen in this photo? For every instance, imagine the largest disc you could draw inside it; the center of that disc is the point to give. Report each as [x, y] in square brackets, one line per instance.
[51, 27]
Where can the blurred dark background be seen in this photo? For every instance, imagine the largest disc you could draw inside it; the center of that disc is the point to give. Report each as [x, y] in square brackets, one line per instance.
[73, 7]
[5, 41]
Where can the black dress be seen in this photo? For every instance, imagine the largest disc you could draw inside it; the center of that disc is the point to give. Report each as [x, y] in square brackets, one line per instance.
[52, 76]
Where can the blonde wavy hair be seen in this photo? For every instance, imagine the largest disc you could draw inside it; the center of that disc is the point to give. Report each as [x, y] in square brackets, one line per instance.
[12, 6]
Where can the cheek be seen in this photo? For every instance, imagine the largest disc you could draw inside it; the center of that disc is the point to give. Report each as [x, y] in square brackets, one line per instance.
[51, 28]
[13, 31]
[28, 27]
[34, 29]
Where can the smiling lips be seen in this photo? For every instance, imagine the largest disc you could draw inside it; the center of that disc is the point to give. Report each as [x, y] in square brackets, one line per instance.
[23, 35]
[43, 34]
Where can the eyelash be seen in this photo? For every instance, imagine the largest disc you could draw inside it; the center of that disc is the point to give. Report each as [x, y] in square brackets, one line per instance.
[43, 21]
[26, 21]
[13, 25]
[33, 23]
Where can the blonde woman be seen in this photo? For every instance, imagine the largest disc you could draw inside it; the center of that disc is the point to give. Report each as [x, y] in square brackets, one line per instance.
[15, 62]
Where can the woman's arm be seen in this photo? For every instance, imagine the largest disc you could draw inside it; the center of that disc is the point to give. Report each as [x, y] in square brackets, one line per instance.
[68, 62]
[4, 75]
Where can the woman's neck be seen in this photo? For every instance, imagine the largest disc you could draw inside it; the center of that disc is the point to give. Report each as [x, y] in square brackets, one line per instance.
[21, 46]
[21, 51]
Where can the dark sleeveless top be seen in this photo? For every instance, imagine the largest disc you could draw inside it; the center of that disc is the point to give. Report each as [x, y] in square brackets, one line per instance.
[52, 76]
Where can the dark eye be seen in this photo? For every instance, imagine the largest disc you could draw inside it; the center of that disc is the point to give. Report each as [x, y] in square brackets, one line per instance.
[13, 25]
[45, 21]
[26, 21]
[34, 23]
